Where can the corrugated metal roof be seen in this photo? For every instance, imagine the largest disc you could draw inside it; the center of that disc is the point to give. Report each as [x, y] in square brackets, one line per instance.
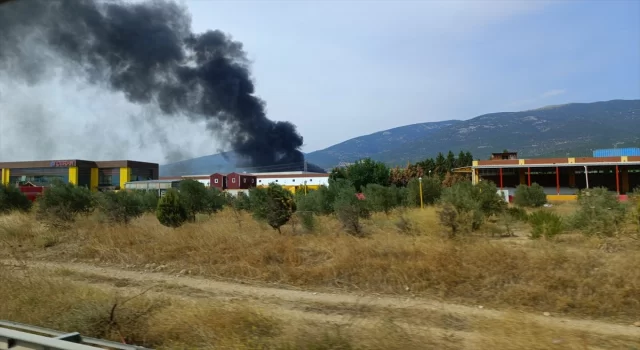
[617, 152]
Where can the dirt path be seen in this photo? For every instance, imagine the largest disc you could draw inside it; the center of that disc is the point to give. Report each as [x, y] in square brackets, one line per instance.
[321, 306]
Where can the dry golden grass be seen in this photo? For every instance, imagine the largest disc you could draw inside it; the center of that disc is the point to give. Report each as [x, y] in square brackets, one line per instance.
[576, 276]
[170, 323]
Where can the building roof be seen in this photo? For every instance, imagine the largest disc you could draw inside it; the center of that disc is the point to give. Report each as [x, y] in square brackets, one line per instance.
[78, 163]
[288, 175]
[557, 162]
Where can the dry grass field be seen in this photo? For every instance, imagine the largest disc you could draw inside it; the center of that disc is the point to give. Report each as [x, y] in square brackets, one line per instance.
[228, 282]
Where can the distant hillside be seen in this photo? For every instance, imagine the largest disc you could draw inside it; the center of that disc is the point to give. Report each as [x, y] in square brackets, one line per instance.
[571, 129]
[374, 144]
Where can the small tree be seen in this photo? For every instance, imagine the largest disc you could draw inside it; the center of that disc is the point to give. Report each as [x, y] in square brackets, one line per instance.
[533, 196]
[273, 204]
[120, 207]
[61, 202]
[12, 199]
[171, 211]
[195, 198]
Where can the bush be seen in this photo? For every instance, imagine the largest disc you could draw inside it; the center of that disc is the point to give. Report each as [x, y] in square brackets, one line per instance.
[533, 196]
[431, 191]
[148, 200]
[518, 214]
[273, 204]
[545, 224]
[349, 210]
[171, 212]
[306, 208]
[12, 199]
[599, 212]
[471, 203]
[196, 198]
[120, 207]
[61, 202]
[380, 198]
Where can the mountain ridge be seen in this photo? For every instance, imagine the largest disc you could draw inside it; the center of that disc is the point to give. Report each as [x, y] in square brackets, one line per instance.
[554, 130]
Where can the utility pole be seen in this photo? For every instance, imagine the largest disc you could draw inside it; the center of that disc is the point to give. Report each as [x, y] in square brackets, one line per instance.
[305, 166]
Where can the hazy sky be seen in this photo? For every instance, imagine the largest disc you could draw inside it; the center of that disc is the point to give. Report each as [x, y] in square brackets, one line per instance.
[341, 69]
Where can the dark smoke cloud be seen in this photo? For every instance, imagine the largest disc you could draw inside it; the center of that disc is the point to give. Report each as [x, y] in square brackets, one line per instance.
[148, 52]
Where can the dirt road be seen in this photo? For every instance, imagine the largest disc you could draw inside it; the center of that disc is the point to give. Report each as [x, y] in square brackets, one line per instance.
[414, 313]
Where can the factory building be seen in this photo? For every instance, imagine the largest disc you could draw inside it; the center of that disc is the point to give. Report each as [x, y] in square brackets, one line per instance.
[561, 178]
[96, 175]
[241, 182]
[294, 181]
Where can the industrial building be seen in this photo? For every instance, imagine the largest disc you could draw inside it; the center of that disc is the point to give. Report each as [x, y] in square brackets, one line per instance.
[96, 175]
[242, 182]
[616, 169]
[294, 181]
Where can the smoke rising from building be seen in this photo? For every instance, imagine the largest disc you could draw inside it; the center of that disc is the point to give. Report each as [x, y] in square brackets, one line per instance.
[146, 50]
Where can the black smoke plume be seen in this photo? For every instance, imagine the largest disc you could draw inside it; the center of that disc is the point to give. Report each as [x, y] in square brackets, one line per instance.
[147, 51]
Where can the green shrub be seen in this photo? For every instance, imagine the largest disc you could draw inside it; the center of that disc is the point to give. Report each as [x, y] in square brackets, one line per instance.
[518, 214]
[431, 191]
[599, 212]
[471, 203]
[533, 196]
[380, 198]
[349, 209]
[273, 204]
[306, 211]
[171, 212]
[197, 199]
[545, 224]
[120, 207]
[12, 199]
[148, 200]
[61, 202]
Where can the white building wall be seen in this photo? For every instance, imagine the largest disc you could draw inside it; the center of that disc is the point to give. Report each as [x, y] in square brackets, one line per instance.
[294, 181]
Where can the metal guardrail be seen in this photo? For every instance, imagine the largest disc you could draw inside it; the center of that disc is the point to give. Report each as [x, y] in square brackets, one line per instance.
[18, 336]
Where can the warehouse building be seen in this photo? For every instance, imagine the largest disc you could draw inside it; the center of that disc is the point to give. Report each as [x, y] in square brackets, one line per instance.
[241, 182]
[96, 175]
[561, 178]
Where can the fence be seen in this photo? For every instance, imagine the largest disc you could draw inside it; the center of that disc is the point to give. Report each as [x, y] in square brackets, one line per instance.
[18, 336]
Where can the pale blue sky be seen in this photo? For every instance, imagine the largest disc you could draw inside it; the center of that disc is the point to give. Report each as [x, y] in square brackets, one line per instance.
[340, 69]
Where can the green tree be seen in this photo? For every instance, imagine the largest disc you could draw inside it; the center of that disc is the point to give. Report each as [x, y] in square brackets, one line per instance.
[171, 212]
[367, 171]
[199, 199]
[273, 204]
[12, 199]
[450, 162]
[120, 207]
[440, 167]
[61, 202]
